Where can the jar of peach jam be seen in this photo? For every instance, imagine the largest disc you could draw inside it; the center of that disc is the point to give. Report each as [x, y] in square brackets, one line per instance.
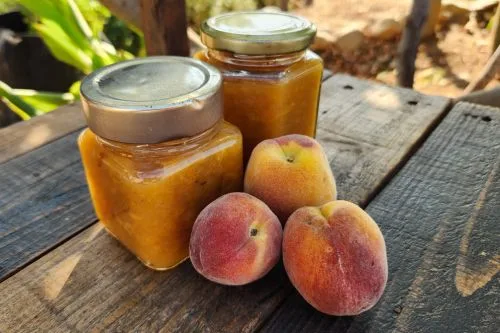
[156, 152]
[271, 81]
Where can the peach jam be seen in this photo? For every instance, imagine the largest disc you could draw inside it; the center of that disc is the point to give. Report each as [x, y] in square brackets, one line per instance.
[271, 81]
[156, 152]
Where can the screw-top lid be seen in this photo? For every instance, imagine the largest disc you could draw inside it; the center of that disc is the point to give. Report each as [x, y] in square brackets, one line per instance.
[257, 32]
[152, 100]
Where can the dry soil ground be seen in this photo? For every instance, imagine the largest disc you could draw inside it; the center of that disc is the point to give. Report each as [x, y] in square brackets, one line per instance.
[445, 64]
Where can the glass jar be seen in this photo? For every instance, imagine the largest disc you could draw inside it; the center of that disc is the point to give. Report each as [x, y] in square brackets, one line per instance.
[156, 152]
[271, 81]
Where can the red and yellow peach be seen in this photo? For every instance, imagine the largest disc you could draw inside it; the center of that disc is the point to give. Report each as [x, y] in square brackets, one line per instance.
[335, 256]
[288, 173]
[235, 240]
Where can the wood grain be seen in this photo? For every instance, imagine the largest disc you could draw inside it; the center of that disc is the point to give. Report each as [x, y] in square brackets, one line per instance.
[26, 236]
[440, 218]
[90, 283]
[25, 136]
[164, 24]
[43, 201]
[369, 129]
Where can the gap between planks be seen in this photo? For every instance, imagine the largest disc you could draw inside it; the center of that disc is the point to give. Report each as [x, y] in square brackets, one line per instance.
[363, 204]
[25, 136]
[361, 170]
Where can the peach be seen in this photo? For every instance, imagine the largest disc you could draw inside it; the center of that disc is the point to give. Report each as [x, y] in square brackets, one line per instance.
[235, 240]
[335, 257]
[290, 172]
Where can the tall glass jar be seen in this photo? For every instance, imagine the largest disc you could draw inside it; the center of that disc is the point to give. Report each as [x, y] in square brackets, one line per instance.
[156, 152]
[271, 81]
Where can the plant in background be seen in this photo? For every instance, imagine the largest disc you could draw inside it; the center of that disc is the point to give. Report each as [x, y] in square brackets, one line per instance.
[29, 103]
[73, 32]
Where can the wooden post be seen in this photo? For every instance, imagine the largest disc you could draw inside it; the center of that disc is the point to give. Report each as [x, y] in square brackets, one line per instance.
[408, 47]
[284, 5]
[164, 25]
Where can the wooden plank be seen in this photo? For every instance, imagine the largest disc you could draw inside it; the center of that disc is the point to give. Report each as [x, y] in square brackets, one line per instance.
[164, 24]
[20, 233]
[369, 129]
[92, 283]
[440, 218]
[25, 136]
[43, 201]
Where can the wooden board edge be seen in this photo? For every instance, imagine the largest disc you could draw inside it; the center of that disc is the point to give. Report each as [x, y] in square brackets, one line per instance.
[23, 137]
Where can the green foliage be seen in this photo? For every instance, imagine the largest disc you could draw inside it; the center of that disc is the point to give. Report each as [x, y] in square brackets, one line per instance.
[28, 103]
[122, 37]
[7, 5]
[71, 29]
[73, 32]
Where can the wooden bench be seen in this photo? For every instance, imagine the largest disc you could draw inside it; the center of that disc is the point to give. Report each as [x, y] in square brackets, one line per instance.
[427, 172]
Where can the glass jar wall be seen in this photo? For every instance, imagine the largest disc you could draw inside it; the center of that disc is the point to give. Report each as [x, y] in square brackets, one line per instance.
[155, 157]
[271, 81]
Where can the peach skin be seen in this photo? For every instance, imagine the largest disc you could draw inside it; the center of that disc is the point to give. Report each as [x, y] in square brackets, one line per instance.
[290, 172]
[335, 257]
[235, 240]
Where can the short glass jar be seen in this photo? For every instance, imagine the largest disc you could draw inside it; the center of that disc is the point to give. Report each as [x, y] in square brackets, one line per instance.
[156, 152]
[271, 81]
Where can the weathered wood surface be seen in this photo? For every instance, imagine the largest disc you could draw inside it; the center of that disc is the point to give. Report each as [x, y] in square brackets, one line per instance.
[24, 234]
[369, 129]
[43, 201]
[90, 283]
[164, 24]
[440, 216]
[25, 136]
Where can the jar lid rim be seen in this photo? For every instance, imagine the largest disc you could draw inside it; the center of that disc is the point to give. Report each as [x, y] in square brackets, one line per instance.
[258, 32]
[152, 99]
[92, 90]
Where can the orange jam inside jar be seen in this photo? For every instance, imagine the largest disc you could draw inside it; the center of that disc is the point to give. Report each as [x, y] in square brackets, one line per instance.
[156, 152]
[271, 80]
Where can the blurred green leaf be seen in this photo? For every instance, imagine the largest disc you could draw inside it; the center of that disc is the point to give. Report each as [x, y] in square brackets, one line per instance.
[16, 103]
[122, 36]
[95, 14]
[28, 103]
[59, 12]
[62, 47]
[75, 90]
[44, 101]
[80, 20]
[7, 6]
[73, 32]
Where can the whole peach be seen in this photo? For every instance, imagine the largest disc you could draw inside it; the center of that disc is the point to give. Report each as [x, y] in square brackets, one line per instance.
[290, 172]
[335, 257]
[235, 240]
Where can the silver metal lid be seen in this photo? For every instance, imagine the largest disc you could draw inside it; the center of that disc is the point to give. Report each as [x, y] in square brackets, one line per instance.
[258, 32]
[152, 100]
